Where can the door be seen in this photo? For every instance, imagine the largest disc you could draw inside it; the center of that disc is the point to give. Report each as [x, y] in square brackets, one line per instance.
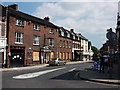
[1, 59]
[77, 55]
[17, 59]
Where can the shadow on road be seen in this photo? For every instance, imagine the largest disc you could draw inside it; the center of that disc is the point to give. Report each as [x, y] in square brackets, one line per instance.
[68, 76]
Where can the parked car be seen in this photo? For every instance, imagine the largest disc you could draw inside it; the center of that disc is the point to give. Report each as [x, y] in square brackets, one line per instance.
[56, 61]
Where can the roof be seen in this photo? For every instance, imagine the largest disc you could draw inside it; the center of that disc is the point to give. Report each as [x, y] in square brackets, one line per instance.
[81, 36]
[30, 18]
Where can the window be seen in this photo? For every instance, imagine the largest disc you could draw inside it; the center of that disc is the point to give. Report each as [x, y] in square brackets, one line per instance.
[73, 37]
[62, 33]
[60, 55]
[51, 42]
[63, 55]
[63, 44]
[68, 34]
[19, 38]
[0, 30]
[51, 30]
[20, 22]
[36, 40]
[69, 44]
[60, 43]
[35, 56]
[36, 27]
[66, 44]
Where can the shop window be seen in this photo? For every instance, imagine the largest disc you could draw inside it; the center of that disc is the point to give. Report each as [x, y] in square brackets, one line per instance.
[60, 55]
[19, 38]
[69, 55]
[52, 54]
[63, 55]
[35, 56]
[66, 55]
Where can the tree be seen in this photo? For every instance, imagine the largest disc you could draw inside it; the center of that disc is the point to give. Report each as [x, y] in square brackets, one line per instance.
[95, 51]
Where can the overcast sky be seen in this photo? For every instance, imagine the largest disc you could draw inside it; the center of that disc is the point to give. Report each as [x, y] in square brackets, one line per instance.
[88, 18]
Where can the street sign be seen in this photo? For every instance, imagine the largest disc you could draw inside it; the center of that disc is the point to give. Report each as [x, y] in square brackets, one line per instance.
[111, 35]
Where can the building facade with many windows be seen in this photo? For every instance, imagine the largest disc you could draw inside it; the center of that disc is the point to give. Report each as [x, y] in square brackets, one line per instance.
[31, 40]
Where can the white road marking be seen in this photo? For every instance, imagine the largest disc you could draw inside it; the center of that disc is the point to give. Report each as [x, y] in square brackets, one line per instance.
[72, 70]
[35, 74]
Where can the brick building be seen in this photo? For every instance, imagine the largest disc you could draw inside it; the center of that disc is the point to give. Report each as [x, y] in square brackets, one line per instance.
[31, 40]
[2, 36]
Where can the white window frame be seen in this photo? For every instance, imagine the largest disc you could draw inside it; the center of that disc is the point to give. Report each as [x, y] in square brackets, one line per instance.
[51, 42]
[36, 40]
[68, 34]
[60, 43]
[0, 30]
[51, 30]
[19, 22]
[18, 39]
[36, 27]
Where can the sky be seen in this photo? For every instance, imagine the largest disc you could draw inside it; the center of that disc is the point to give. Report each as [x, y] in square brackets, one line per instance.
[91, 19]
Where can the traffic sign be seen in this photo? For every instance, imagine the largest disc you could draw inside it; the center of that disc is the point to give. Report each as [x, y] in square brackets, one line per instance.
[111, 35]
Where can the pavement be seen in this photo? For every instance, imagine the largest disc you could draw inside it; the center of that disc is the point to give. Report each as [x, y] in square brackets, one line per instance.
[90, 74]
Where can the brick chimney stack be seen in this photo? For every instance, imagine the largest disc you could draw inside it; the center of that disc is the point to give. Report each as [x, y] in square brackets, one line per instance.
[13, 6]
[72, 30]
[47, 19]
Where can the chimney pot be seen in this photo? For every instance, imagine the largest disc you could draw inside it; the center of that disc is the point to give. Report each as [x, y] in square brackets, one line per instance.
[47, 19]
[72, 30]
[13, 6]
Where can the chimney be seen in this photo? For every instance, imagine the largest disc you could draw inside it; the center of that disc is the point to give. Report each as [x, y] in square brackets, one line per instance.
[72, 30]
[47, 19]
[13, 6]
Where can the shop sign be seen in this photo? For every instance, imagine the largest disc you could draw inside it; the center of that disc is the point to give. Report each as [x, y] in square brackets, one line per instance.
[29, 53]
[15, 47]
[2, 42]
[47, 50]
[1, 50]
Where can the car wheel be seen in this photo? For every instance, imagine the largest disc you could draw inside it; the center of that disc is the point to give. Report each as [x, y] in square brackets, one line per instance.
[64, 63]
[58, 64]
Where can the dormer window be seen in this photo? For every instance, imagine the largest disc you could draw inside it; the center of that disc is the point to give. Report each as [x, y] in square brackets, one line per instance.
[62, 33]
[73, 37]
[36, 27]
[51, 31]
[68, 34]
[19, 22]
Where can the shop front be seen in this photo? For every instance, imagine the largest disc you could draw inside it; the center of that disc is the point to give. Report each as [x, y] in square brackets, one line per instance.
[46, 54]
[17, 56]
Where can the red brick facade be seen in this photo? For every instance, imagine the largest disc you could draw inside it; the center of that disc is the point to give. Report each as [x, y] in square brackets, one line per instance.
[32, 40]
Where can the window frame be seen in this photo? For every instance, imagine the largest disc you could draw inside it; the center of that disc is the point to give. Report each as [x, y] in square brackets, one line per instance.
[51, 31]
[36, 27]
[19, 22]
[51, 42]
[19, 40]
[36, 42]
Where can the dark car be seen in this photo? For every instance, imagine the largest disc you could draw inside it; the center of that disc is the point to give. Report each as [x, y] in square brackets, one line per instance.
[56, 61]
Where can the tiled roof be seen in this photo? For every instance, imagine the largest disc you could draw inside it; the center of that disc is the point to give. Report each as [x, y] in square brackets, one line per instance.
[30, 18]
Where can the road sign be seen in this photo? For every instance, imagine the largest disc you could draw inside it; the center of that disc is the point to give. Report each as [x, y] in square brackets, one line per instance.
[111, 35]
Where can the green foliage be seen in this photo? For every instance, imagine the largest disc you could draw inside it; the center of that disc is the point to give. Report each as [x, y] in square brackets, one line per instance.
[95, 50]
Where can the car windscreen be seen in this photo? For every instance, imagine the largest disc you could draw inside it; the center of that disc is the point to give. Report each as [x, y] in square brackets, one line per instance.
[54, 59]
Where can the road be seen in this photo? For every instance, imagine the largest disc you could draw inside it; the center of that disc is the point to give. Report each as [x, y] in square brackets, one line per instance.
[50, 77]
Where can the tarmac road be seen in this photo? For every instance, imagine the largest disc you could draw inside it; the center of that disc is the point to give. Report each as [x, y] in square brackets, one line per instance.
[50, 77]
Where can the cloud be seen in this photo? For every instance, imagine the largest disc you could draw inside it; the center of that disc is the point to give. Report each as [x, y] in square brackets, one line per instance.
[88, 18]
